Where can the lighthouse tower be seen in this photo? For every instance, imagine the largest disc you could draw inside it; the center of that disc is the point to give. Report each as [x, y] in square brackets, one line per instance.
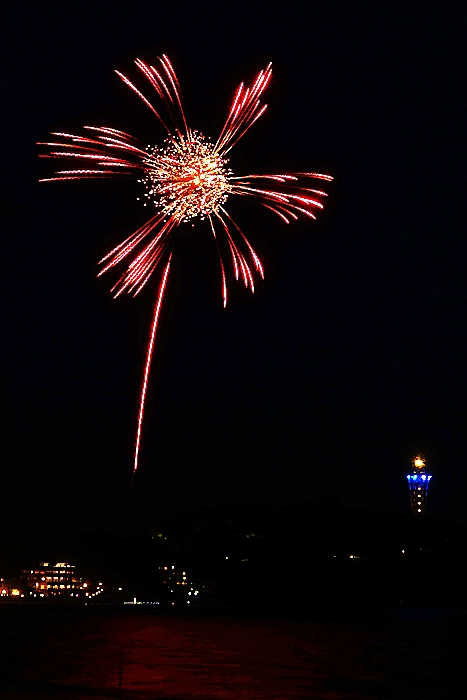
[419, 480]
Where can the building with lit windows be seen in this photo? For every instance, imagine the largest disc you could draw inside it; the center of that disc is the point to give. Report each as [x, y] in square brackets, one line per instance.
[54, 580]
[181, 589]
[11, 588]
[419, 480]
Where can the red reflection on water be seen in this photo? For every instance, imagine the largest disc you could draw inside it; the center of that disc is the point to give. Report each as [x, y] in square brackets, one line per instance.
[230, 659]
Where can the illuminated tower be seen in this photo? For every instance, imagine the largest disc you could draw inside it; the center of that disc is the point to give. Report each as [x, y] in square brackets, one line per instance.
[419, 481]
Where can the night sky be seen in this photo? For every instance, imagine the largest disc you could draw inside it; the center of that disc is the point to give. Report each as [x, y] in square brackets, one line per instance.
[347, 361]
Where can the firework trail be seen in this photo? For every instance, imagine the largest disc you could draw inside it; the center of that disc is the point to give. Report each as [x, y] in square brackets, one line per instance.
[187, 178]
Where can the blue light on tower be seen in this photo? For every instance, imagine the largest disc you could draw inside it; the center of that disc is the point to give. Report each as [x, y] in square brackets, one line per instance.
[419, 480]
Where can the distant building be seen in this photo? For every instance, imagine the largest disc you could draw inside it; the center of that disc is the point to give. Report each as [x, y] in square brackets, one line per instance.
[419, 480]
[181, 589]
[11, 588]
[54, 580]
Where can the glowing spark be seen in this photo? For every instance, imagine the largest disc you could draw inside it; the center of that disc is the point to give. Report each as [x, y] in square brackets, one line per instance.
[185, 179]
[155, 321]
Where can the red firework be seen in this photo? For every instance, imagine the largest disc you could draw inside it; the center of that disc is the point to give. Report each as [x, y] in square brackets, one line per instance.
[188, 177]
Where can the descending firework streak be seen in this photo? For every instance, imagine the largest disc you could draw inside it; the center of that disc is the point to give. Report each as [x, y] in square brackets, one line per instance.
[187, 178]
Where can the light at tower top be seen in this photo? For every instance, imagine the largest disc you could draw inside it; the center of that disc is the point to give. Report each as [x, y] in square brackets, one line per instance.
[419, 480]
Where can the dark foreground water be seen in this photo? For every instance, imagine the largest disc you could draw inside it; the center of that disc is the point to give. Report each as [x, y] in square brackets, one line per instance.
[71, 653]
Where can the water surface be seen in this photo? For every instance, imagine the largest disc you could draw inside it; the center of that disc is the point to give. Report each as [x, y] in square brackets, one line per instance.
[71, 653]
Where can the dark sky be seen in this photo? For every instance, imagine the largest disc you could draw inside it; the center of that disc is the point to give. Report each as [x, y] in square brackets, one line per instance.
[352, 355]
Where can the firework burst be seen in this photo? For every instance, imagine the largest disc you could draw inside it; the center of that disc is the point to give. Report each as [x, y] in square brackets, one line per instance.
[187, 178]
